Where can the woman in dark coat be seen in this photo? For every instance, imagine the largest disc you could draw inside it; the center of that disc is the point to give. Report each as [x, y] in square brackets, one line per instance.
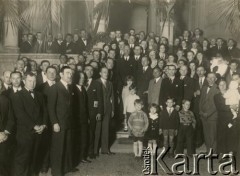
[227, 132]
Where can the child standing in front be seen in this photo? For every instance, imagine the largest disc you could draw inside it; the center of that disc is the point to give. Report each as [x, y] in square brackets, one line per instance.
[129, 106]
[129, 81]
[169, 121]
[186, 129]
[152, 133]
[138, 125]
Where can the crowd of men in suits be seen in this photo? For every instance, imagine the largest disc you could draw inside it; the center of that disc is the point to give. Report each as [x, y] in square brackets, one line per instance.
[56, 116]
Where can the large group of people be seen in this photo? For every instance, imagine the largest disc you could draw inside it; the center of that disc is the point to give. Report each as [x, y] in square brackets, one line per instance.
[177, 96]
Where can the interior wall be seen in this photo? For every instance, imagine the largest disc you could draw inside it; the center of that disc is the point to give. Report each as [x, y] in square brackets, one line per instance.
[199, 14]
[124, 16]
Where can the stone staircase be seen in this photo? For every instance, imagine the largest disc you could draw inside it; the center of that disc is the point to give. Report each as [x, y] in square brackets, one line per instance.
[124, 143]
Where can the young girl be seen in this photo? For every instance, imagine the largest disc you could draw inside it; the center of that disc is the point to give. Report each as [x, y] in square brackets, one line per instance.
[125, 92]
[129, 105]
[138, 124]
[152, 133]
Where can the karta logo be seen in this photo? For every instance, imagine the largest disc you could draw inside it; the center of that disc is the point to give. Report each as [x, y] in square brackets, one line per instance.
[152, 161]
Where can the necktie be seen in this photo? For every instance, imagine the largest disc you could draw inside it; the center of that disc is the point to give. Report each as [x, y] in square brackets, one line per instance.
[209, 87]
[32, 93]
[104, 83]
[87, 84]
[169, 112]
[201, 83]
[68, 87]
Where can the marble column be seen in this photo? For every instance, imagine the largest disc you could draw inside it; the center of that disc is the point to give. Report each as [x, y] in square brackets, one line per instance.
[152, 16]
[167, 29]
[10, 35]
[103, 23]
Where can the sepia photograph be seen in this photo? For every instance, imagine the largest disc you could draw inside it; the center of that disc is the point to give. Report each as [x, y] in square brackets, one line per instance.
[119, 87]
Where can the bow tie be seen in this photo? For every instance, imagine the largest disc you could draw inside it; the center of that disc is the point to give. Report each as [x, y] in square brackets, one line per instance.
[31, 91]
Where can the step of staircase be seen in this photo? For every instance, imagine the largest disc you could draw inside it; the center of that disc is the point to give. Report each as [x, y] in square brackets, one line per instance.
[124, 144]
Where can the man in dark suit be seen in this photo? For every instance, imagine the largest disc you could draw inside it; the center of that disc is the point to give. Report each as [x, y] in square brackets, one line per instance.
[16, 80]
[95, 108]
[31, 120]
[138, 57]
[188, 84]
[82, 120]
[233, 51]
[208, 112]
[144, 75]
[41, 76]
[60, 102]
[171, 87]
[125, 66]
[219, 49]
[68, 45]
[38, 46]
[6, 80]
[108, 104]
[51, 74]
[6, 127]
[57, 46]
[48, 45]
[84, 42]
[118, 36]
[131, 43]
[199, 84]
[27, 46]
[233, 68]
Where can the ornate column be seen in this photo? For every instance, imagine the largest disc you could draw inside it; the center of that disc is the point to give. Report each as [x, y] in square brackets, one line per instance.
[152, 16]
[10, 44]
[103, 22]
[167, 28]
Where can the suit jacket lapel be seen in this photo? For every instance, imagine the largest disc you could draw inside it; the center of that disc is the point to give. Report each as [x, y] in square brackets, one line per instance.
[31, 102]
[63, 87]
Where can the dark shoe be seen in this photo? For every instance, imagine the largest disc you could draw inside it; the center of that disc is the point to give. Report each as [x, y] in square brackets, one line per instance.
[85, 161]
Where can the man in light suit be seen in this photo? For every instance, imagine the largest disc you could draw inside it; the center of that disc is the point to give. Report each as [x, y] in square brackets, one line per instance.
[208, 112]
[108, 104]
[155, 87]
